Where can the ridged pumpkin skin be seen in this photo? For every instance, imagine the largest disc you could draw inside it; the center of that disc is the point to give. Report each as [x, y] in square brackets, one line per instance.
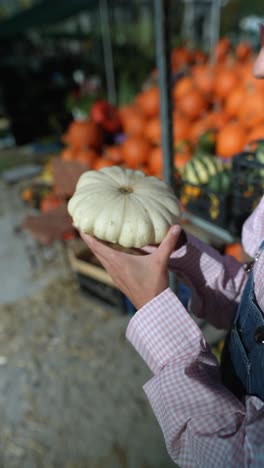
[123, 206]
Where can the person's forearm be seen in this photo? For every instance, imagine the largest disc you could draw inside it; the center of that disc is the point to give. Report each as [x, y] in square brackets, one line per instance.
[203, 423]
[216, 280]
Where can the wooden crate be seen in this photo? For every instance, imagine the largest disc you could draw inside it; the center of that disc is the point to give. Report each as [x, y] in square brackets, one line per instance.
[84, 262]
[94, 279]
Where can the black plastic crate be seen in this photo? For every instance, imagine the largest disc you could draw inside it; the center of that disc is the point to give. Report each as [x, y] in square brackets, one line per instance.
[108, 294]
[207, 204]
[247, 187]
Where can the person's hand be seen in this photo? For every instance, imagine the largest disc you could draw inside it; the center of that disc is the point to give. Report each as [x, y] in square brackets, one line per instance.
[139, 277]
[258, 66]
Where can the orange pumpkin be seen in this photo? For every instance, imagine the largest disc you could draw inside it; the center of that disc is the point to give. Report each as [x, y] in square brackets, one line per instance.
[81, 134]
[49, 202]
[245, 71]
[236, 251]
[182, 87]
[215, 120]
[69, 235]
[192, 104]
[225, 81]
[180, 57]
[133, 121]
[86, 157]
[126, 110]
[114, 153]
[135, 151]
[155, 163]
[149, 102]
[199, 57]
[68, 154]
[230, 140]
[181, 158]
[99, 163]
[204, 78]
[234, 101]
[256, 133]
[181, 128]
[251, 110]
[197, 129]
[153, 130]
[27, 195]
[222, 49]
[145, 168]
[250, 83]
[243, 51]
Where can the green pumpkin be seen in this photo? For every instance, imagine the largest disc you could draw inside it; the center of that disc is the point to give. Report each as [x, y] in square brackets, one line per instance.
[260, 158]
[201, 168]
[220, 182]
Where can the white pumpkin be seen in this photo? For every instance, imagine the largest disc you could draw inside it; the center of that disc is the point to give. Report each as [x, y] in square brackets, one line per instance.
[123, 206]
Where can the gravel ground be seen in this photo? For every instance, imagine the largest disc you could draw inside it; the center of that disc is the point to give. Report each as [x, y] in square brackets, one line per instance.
[71, 386]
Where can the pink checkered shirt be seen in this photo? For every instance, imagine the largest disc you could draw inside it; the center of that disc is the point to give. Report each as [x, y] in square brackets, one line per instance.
[203, 423]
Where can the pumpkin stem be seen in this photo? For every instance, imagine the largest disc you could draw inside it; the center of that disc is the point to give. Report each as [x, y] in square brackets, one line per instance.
[126, 189]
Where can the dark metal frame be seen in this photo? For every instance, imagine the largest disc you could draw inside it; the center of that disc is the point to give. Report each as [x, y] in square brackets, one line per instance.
[163, 57]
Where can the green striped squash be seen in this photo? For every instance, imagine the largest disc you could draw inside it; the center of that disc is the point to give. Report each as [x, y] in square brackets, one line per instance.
[260, 158]
[220, 182]
[201, 168]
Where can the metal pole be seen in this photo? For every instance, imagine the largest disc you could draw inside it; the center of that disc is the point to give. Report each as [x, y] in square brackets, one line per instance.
[108, 53]
[163, 58]
[214, 26]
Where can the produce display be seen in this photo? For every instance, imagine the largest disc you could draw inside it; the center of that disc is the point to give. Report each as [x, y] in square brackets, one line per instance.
[123, 206]
[217, 114]
[248, 170]
[217, 105]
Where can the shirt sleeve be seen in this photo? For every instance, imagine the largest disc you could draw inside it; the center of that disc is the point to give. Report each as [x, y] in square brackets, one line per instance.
[253, 229]
[203, 423]
[216, 281]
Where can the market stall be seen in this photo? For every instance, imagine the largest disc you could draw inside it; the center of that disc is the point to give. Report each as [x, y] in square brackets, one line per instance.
[189, 124]
[178, 102]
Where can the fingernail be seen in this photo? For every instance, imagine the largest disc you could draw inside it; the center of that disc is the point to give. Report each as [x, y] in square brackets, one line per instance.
[175, 230]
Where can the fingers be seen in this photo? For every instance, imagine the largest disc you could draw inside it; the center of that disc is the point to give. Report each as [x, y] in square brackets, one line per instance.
[98, 247]
[258, 67]
[113, 261]
[167, 246]
[103, 251]
[169, 243]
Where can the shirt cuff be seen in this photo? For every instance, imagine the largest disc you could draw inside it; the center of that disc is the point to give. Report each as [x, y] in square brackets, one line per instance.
[163, 330]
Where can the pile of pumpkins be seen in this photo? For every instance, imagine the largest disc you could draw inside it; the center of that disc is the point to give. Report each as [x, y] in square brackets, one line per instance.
[217, 110]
